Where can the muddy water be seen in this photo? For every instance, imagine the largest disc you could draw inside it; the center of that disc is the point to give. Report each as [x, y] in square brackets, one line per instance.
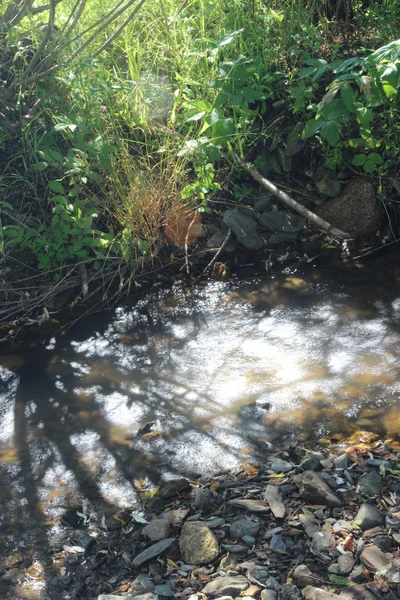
[221, 371]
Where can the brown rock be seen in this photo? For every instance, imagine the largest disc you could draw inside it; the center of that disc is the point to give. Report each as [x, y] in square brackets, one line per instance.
[198, 543]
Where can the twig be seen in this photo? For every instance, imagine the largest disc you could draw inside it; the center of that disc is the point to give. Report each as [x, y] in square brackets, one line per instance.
[376, 249]
[187, 243]
[289, 201]
[212, 261]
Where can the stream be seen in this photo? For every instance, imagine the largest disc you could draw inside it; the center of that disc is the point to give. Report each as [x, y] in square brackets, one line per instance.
[220, 373]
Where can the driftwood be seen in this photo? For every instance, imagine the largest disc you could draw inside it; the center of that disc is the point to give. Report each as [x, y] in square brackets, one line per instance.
[289, 202]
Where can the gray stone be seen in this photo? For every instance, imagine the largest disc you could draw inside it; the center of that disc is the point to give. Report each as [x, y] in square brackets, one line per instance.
[277, 543]
[288, 591]
[153, 551]
[302, 576]
[281, 238]
[368, 517]
[334, 568]
[263, 204]
[198, 544]
[329, 186]
[313, 489]
[157, 530]
[314, 593]
[281, 466]
[217, 239]
[323, 541]
[245, 229]
[370, 484]
[285, 162]
[375, 560]
[243, 527]
[257, 575]
[384, 542]
[269, 595]
[227, 586]
[271, 583]
[355, 210]
[173, 488]
[164, 589]
[346, 563]
[203, 500]
[393, 520]
[215, 522]
[342, 525]
[358, 592]
[396, 537]
[274, 500]
[283, 221]
[310, 524]
[341, 461]
[312, 461]
[255, 506]
[142, 584]
[235, 548]
[148, 596]
[357, 574]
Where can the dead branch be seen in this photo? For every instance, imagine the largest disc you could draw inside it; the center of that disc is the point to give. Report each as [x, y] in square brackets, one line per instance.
[214, 258]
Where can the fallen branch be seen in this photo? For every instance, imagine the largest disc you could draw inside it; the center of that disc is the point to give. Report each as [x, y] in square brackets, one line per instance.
[289, 202]
[214, 258]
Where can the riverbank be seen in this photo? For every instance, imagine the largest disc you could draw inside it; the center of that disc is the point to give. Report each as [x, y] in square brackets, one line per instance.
[320, 523]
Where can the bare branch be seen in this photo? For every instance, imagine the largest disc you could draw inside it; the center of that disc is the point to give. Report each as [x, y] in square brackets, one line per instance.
[38, 9]
[49, 29]
[119, 30]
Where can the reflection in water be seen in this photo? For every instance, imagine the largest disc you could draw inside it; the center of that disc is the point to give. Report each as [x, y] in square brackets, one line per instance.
[318, 358]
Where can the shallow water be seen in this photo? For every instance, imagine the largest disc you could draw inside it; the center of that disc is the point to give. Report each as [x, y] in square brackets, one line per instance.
[319, 351]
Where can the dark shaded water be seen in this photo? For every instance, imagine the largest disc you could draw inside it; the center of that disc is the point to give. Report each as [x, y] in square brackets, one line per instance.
[321, 351]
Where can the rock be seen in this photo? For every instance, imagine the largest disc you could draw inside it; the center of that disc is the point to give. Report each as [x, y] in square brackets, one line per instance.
[148, 596]
[312, 461]
[334, 568]
[203, 500]
[274, 500]
[262, 204]
[302, 576]
[198, 544]
[153, 551]
[177, 516]
[173, 488]
[243, 527]
[281, 466]
[384, 542]
[328, 186]
[310, 524]
[342, 525]
[313, 593]
[358, 592]
[285, 161]
[346, 563]
[215, 522]
[355, 210]
[157, 530]
[164, 589]
[393, 520]
[375, 560]
[255, 506]
[245, 229]
[281, 238]
[322, 541]
[269, 595]
[342, 461]
[294, 142]
[217, 239]
[288, 591]
[277, 543]
[368, 517]
[283, 221]
[226, 586]
[357, 574]
[235, 548]
[257, 575]
[142, 584]
[313, 489]
[370, 484]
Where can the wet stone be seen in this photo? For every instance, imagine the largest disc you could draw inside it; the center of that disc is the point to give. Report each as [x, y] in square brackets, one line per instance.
[157, 530]
[281, 466]
[227, 586]
[203, 500]
[245, 229]
[370, 484]
[153, 551]
[198, 544]
[369, 516]
[173, 488]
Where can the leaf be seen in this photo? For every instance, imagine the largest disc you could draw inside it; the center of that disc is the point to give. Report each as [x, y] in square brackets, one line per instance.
[138, 518]
[40, 166]
[334, 110]
[222, 131]
[57, 187]
[331, 131]
[369, 166]
[338, 580]
[389, 90]
[376, 158]
[347, 95]
[364, 115]
[172, 563]
[312, 127]
[359, 160]
[347, 64]
[196, 117]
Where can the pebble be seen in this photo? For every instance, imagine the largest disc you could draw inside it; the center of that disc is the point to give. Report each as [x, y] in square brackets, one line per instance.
[370, 484]
[374, 559]
[164, 590]
[269, 595]
[274, 500]
[198, 544]
[277, 543]
[153, 551]
[281, 466]
[173, 488]
[229, 585]
[255, 506]
[203, 500]
[346, 563]
[342, 461]
[316, 491]
[369, 516]
[243, 527]
[157, 530]
[302, 576]
[322, 541]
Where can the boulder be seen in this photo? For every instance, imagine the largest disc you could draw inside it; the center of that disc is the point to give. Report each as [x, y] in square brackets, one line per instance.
[355, 210]
[369, 516]
[198, 544]
[245, 229]
[314, 489]
[370, 484]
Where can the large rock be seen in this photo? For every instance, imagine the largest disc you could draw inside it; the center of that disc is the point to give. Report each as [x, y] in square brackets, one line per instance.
[282, 221]
[355, 210]
[227, 586]
[314, 489]
[375, 560]
[368, 517]
[370, 484]
[198, 544]
[245, 229]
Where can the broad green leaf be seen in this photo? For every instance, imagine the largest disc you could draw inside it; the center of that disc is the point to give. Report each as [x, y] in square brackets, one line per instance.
[57, 187]
[347, 64]
[359, 160]
[338, 580]
[40, 166]
[376, 158]
[347, 94]
[334, 110]
[312, 127]
[196, 117]
[369, 166]
[364, 115]
[222, 131]
[389, 90]
[331, 131]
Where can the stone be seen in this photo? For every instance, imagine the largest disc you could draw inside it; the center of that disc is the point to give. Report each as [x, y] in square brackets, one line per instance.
[334, 568]
[274, 500]
[370, 484]
[369, 516]
[215, 522]
[153, 551]
[198, 544]
[218, 238]
[281, 466]
[203, 500]
[302, 576]
[274, 239]
[346, 563]
[341, 461]
[358, 592]
[288, 591]
[164, 589]
[384, 542]
[177, 516]
[243, 527]
[227, 586]
[357, 574]
[393, 520]
[245, 229]
[294, 142]
[262, 204]
[173, 488]
[255, 506]
[157, 530]
[314, 489]
[314, 593]
[277, 543]
[269, 595]
[258, 575]
[323, 541]
[283, 221]
[328, 186]
[312, 461]
[342, 525]
[355, 211]
[310, 524]
[375, 560]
